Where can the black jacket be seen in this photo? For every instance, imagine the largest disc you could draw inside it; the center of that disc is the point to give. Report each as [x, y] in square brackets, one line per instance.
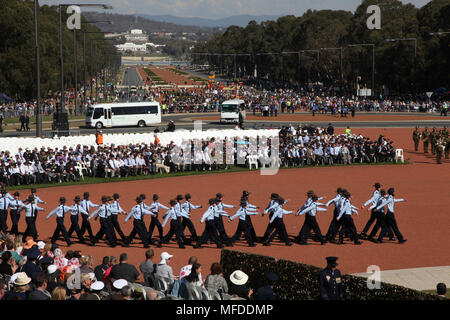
[38, 295]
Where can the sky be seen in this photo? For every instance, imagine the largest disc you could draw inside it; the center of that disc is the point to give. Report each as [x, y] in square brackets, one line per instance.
[217, 9]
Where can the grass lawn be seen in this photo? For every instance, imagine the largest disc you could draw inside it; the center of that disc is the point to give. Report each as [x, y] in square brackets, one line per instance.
[89, 180]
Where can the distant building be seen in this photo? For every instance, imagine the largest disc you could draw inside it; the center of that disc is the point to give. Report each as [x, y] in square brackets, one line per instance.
[136, 35]
[130, 46]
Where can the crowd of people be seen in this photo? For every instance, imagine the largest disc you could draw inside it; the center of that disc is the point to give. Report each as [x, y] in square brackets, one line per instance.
[437, 140]
[298, 146]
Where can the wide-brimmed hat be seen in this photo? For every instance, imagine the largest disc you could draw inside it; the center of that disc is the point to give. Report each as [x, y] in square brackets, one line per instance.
[238, 277]
[97, 286]
[21, 279]
[120, 283]
[52, 269]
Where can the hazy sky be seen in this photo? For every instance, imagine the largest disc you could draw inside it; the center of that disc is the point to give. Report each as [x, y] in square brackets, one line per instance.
[223, 8]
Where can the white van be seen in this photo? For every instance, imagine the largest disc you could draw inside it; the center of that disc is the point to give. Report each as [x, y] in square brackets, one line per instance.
[229, 110]
[138, 114]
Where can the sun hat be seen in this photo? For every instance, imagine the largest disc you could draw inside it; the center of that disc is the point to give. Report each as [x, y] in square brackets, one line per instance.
[41, 245]
[52, 268]
[91, 276]
[238, 277]
[164, 257]
[21, 279]
[97, 286]
[119, 284]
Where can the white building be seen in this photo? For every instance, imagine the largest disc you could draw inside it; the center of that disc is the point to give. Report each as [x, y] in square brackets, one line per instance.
[129, 46]
[137, 35]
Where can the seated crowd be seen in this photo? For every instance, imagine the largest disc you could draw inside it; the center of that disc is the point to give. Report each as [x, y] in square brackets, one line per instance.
[41, 271]
[298, 146]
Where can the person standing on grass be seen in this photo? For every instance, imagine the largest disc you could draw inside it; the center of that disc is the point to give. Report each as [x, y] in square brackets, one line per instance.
[60, 212]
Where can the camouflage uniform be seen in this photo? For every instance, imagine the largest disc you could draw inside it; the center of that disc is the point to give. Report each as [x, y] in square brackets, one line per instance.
[425, 139]
[433, 140]
[439, 148]
[416, 139]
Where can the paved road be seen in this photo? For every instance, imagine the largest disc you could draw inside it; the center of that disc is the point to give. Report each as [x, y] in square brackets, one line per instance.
[131, 78]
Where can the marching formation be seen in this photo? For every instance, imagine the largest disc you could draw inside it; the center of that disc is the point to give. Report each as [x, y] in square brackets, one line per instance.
[438, 140]
[178, 217]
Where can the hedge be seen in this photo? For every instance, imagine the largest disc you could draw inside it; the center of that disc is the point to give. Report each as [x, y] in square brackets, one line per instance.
[298, 281]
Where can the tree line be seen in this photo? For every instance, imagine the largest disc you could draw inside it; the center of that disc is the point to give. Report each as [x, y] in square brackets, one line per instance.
[17, 50]
[397, 67]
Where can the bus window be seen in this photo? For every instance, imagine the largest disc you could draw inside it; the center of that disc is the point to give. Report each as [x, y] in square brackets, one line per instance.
[98, 112]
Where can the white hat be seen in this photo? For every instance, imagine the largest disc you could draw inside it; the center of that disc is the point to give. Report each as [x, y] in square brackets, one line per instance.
[91, 276]
[41, 245]
[238, 277]
[164, 257]
[119, 284]
[97, 286]
[51, 268]
[21, 279]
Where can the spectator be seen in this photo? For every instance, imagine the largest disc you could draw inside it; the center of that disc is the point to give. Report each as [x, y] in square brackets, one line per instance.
[163, 269]
[441, 289]
[126, 293]
[186, 270]
[238, 287]
[112, 262]
[30, 267]
[100, 270]
[59, 293]
[151, 295]
[194, 276]
[2, 288]
[266, 292]
[124, 270]
[53, 277]
[216, 281]
[21, 287]
[5, 266]
[40, 293]
[118, 285]
[148, 267]
[86, 264]
[59, 259]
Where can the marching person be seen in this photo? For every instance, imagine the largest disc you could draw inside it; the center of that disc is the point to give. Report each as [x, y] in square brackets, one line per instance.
[218, 218]
[154, 207]
[86, 204]
[187, 206]
[347, 222]
[14, 209]
[105, 225]
[37, 201]
[175, 225]
[373, 216]
[277, 222]
[245, 195]
[270, 209]
[334, 225]
[139, 228]
[60, 211]
[416, 138]
[243, 226]
[330, 281]
[210, 226]
[4, 205]
[390, 221]
[426, 139]
[114, 217]
[179, 213]
[76, 209]
[30, 208]
[311, 222]
[381, 218]
[309, 201]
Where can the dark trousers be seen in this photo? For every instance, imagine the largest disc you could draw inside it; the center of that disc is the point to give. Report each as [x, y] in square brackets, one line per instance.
[348, 225]
[116, 226]
[75, 227]
[280, 229]
[252, 230]
[139, 228]
[243, 227]
[3, 218]
[334, 226]
[210, 233]
[105, 229]
[416, 145]
[15, 217]
[60, 228]
[270, 228]
[86, 225]
[373, 218]
[381, 223]
[31, 228]
[188, 223]
[175, 229]
[310, 224]
[153, 223]
[221, 229]
[390, 222]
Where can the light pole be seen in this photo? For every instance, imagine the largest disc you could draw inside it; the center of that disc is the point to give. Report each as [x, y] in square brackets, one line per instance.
[340, 56]
[373, 61]
[38, 71]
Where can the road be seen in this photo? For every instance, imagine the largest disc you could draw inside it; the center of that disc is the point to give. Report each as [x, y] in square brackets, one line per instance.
[131, 78]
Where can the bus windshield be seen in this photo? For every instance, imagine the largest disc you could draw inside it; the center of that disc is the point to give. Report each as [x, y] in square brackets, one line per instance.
[89, 112]
[230, 108]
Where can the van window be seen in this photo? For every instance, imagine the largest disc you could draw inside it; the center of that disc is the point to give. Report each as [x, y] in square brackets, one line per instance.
[98, 113]
[230, 108]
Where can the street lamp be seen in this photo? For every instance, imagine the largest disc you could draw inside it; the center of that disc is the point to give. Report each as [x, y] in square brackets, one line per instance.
[340, 55]
[373, 61]
[38, 71]
[96, 61]
[62, 121]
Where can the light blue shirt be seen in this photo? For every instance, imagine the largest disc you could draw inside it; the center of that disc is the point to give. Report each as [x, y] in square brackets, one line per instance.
[137, 211]
[87, 204]
[15, 204]
[312, 209]
[60, 211]
[347, 208]
[390, 201]
[30, 210]
[242, 213]
[77, 209]
[374, 199]
[4, 203]
[156, 205]
[117, 209]
[102, 212]
[187, 207]
[220, 207]
[279, 213]
[171, 214]
[336, 201]
[180, 211]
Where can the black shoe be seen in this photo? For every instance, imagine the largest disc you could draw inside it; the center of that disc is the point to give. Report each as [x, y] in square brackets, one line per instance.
[402, 241]
[181, 246]
[358, 242]
[341, 242]
[159, 245]
[146, 246]
[266, 244]
[219, 246]
[392, 239]
[288, 244]
[363, 234]
[252, 245]
[303, 243]
[198, 246]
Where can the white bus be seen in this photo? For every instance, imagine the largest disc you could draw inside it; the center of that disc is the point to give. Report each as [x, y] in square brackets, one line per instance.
[138, 114]
[229, 110]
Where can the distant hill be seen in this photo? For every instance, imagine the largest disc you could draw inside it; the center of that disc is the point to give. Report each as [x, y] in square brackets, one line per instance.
[122, 23]
[240, 20]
